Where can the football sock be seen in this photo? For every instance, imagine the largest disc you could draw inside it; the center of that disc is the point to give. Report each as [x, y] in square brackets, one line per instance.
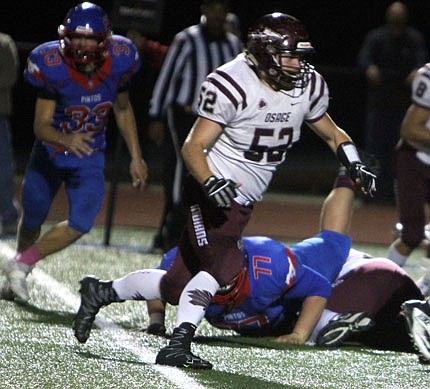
[29, 256]
[139, 285]
[326, 316]
[195, 298]
[156, 318]
[395, 256]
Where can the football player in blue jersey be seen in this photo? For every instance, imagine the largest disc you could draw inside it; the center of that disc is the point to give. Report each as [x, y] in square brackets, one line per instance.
[300, 274]
[249, 307]
[285, 291]
[79, 79]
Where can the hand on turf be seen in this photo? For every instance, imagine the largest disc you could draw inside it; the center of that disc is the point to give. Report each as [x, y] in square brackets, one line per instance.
[293, 338]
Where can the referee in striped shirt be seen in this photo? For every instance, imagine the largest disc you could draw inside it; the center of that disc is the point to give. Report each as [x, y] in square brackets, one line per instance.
[193, 54]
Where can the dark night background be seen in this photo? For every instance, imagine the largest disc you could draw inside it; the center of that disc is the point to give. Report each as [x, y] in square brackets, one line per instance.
[336, 28]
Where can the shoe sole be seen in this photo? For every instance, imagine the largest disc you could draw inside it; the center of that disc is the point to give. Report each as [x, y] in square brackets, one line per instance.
[171, 359]
[187, 365]
[339, 331]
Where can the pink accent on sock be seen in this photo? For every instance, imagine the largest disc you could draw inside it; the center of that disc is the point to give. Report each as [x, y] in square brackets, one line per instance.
[29, 256]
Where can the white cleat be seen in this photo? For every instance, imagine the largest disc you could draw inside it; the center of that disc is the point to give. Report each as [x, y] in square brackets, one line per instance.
[16, 273]
[418, 318]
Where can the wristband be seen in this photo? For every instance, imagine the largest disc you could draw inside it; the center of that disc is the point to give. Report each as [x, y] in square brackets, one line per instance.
[347, 154]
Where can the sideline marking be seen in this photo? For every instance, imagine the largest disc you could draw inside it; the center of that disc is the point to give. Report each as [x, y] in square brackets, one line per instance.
[118, 335]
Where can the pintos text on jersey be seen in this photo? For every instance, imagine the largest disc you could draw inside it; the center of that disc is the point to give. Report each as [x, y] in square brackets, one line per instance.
[277, 117]
[91, 99]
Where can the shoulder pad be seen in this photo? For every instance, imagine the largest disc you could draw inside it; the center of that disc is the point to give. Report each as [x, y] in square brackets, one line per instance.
[45, 65]
[125, 57]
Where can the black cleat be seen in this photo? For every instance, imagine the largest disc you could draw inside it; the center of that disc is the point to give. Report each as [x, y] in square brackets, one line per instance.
[94, 295]
[342, 326]
[6, 292]
[181, 357]
[178, 353]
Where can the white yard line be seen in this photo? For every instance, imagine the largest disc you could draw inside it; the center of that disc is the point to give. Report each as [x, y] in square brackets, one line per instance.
[119, 336]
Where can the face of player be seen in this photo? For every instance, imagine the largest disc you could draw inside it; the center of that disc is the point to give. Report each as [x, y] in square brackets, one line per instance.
[289, 64]
[85, 49]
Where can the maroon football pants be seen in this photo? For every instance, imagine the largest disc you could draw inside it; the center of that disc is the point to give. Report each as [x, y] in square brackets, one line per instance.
[379, 289]
[210, 242]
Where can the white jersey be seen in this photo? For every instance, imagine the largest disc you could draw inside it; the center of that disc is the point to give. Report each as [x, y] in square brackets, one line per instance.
[259, 124]
[421, 97]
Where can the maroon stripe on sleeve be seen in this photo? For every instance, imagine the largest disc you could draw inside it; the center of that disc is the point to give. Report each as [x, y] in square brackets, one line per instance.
[426, 75]
[235, 85]
[320, 94]
[224, 90]
[313, 82]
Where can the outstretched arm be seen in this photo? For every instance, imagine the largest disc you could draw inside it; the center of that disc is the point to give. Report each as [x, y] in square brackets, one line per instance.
[340, 142]
[125, 119]
[312, 309]
[337, 209]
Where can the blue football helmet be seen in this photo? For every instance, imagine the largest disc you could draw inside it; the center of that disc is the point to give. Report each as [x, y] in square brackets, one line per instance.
[86, 20]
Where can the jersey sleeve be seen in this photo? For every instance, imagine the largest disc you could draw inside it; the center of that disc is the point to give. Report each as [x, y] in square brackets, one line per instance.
[309, 283]
[126, 60]
[220, 98]
[421, 87]
[318, 98]
[35, 72]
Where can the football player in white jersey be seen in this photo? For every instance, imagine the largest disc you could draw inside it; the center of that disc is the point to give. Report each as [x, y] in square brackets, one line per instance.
[250, 112]
[413, 173]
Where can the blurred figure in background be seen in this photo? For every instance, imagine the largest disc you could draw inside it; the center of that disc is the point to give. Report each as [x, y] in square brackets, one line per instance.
[413, 175]
[193, 54]
[152, 55]
[232, 24]
[389, 58]
[9, 65]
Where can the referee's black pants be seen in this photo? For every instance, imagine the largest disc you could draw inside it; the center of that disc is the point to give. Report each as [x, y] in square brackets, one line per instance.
[179, 122]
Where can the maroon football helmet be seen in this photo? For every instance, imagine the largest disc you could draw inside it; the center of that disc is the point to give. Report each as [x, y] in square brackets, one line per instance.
[272, 37]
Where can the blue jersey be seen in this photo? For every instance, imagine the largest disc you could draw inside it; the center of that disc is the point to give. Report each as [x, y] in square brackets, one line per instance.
[279, 279]
[83, 103]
